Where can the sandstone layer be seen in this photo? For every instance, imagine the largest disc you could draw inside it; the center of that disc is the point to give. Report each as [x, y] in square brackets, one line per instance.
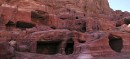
[67, 29]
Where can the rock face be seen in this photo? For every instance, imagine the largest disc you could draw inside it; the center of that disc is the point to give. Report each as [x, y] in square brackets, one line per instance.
[6, 51]
[67, 29]
[100, 6]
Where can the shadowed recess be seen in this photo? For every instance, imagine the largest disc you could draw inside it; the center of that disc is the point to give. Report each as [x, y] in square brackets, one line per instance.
[9, 24]
[48, 48]
[39, 16]
[83, 28]
[20, 24]
[69, 47]
[127, 21]
[115, 42]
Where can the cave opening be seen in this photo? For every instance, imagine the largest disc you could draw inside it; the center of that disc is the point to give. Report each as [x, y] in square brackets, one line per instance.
[127, 21]
[76, 17]
[20, 24]
[83, 28]
[81, 40]
[53, 27]
[116, 43]
[69, 47]
[49, 48]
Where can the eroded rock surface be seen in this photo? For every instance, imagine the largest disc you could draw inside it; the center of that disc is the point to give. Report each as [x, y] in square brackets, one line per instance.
[6, 51]
[67, 29]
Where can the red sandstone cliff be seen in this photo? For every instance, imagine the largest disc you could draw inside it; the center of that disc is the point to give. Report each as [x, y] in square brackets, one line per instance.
[67, 29]
[58, 6]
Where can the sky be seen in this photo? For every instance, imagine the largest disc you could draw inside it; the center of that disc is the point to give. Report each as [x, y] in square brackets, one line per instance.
[123, 5]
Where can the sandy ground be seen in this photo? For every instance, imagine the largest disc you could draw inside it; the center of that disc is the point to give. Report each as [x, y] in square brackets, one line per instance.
[25, 55]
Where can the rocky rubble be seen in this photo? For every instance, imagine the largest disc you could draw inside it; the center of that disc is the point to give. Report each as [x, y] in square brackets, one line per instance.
[73, 29]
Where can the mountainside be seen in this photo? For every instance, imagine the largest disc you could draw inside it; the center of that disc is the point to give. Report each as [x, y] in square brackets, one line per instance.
[58, 6]
[67, 29]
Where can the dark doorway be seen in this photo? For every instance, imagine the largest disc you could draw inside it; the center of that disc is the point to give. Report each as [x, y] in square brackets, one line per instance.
[69, 47]
[50, 47]
[116, 43]
[21, 24]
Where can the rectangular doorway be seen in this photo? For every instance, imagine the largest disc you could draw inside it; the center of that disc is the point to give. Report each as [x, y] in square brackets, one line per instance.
[49, 47]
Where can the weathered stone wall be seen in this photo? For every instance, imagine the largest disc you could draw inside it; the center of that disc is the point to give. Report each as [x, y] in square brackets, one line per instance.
[83, 26]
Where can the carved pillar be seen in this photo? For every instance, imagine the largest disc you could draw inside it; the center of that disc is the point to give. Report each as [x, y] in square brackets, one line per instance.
[62, 47]
[76, 43]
